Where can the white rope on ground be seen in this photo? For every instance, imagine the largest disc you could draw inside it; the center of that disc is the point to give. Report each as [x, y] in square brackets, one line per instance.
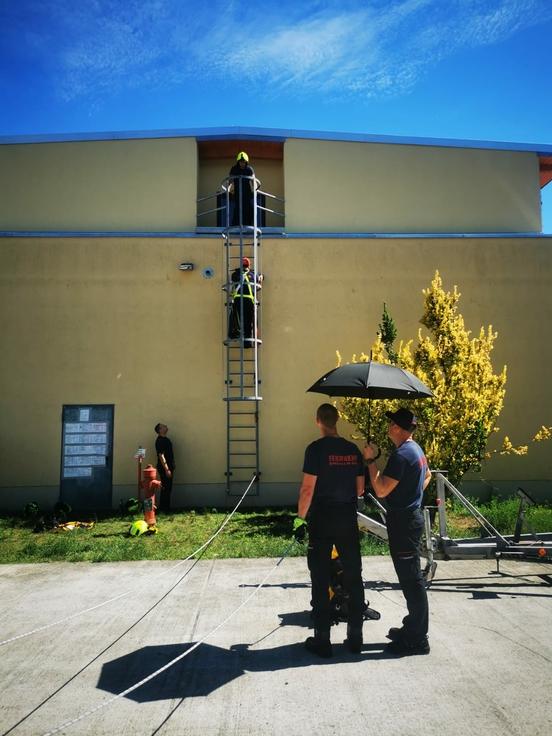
[132, 590]
[131, 689]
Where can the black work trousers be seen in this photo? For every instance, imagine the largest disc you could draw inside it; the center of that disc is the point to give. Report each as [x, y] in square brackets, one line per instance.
[166, 489]
[328, 526]
[242, 305]
[405, 528]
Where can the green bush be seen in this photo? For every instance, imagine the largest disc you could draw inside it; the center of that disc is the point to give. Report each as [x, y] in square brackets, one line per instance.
[502, 513]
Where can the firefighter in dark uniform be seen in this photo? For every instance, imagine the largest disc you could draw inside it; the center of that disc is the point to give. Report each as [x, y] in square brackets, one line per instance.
[241, 191]
[402, 484]
[333, 479]
[245, 285]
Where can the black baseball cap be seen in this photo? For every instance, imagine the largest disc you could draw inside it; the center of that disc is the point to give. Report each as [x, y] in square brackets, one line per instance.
[404, 418]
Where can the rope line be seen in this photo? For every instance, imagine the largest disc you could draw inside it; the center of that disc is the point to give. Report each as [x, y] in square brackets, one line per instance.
[165, 667]
[122, 595]
[107, 648]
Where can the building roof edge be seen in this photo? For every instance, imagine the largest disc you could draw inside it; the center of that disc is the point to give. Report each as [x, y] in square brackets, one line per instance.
[277, 134]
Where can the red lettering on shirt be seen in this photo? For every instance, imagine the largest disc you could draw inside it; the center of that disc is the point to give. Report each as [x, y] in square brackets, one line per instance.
[342, 460]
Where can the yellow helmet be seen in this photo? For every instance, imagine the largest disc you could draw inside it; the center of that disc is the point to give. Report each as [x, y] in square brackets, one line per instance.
[138, 528]
[242, 154]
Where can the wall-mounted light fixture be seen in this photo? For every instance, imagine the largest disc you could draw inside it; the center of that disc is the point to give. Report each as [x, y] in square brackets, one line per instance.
[186, 267]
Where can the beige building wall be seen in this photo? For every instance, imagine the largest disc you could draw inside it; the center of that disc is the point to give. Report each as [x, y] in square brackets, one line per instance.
[151, 185]
[117, 185]
[113, 320]
[335, 186]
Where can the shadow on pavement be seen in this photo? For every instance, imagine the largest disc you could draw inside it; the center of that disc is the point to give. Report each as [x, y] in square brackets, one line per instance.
[209, 667]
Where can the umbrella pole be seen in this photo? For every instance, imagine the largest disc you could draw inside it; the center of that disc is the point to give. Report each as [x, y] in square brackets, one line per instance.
[369, 404]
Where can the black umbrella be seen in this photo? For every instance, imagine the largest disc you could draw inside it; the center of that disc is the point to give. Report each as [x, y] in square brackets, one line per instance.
[371, 380]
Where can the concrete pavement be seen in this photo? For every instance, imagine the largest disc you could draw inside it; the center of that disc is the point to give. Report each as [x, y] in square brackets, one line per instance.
[489, 670]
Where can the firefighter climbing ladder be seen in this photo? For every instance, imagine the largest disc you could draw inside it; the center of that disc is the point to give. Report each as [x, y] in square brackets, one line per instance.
[241, 211]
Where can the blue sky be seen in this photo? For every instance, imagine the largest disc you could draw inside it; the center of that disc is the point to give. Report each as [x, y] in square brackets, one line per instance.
[465, 69]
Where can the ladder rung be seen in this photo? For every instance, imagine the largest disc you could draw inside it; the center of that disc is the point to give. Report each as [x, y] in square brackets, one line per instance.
[243, 398]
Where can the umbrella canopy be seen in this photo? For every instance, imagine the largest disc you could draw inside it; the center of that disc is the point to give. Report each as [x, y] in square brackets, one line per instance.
[371, 380]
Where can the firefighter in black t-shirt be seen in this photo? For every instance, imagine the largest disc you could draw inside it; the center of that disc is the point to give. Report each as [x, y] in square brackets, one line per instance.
[333, 479]
[165, 464]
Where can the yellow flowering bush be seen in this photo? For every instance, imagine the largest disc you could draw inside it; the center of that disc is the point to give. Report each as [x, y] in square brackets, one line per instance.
[454, 425]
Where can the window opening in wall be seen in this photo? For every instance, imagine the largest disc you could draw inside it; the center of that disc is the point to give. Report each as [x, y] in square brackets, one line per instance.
[215, 160]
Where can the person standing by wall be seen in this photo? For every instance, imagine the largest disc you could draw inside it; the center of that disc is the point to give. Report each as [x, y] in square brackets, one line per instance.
[165, 465]
[333, 479]
[402, 484]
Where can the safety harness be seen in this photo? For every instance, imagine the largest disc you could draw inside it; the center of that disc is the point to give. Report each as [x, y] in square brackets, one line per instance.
[244, 288]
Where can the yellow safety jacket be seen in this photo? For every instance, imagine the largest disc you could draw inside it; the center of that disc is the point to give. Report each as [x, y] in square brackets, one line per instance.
[244, 288]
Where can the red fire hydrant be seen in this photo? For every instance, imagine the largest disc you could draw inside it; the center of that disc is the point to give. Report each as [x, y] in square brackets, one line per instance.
[149, 486]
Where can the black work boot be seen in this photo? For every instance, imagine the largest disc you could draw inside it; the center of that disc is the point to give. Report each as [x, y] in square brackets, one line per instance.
[395, 633]
[354, 638]
[403, 648]
[320, 644]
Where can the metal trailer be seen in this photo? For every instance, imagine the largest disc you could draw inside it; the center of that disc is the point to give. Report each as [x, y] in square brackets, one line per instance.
[532, 547]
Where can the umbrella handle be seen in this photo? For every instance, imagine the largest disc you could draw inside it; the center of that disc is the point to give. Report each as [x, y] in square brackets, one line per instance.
[368, 442]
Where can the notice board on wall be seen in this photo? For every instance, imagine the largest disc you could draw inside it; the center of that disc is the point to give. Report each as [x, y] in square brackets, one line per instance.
[87, 456]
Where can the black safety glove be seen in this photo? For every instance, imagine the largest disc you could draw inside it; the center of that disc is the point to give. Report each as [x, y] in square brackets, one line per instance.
[299, 529]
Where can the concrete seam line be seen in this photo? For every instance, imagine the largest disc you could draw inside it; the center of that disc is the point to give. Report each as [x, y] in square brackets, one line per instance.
[127, 592]
[165, 667]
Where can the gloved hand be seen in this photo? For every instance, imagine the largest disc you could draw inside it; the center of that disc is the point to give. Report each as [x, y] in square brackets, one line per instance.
[299, 529]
